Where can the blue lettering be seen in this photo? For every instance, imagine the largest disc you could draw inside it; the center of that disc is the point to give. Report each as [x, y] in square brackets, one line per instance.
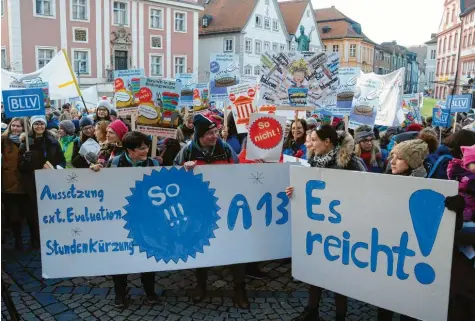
[72, 192]
[356, 246]
[282, 208]
[266, 200]
[376, 248]
[402, 250]
[337, 218]
[326, 247]
[239, 204]
[346, 248]
[312, 239]
[311, 200]
[70, 214]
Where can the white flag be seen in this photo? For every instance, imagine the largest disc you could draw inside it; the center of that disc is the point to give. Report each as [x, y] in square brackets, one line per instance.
[58, 74]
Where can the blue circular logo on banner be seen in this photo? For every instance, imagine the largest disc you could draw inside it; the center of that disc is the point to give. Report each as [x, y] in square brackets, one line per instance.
[214, 67]
[171, 214]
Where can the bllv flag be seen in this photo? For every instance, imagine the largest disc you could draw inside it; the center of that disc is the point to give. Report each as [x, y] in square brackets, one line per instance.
[57, 73]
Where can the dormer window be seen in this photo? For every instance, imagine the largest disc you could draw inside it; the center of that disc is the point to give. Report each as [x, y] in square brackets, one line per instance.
[205, 22]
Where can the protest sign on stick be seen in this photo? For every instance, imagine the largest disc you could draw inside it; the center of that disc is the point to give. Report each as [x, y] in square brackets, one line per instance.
[266, 137]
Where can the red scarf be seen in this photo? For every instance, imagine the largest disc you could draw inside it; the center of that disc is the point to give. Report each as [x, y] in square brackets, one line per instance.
[366, 157]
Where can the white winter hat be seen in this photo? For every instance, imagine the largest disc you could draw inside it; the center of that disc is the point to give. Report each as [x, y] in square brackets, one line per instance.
[34, 119]
[104, 104]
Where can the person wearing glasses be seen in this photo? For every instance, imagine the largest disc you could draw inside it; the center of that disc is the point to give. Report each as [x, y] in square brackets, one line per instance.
[87, 132]
[367, 149]
[207, 148]
[44, 153]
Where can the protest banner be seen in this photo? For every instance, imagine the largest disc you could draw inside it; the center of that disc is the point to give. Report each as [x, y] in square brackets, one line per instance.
[126, 89]
[188, 84]
[411, 109]
[224, 72]
[346, 90]
[266, 136]
[131, 220]
[57, 73]
[389, 247]
[201, 97]
[366, 100]
[45, 87]
[158, 107]
[441, 117]
[242, 99]
[299, 79]
[459, 103]
[389, 112]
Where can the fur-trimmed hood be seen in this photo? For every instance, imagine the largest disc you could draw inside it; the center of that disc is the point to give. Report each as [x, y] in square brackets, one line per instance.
[346, 150]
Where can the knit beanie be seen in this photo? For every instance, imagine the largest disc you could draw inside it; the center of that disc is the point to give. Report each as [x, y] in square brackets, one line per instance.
[399, 138]
[414, 127]
[468, 155]
[104, 104]
[68, 127]
[412, 151]
[311, 123]
[429, 131]
[362, 133]
[202, 125]
[85, 121]
[34, 119]
[119, 128]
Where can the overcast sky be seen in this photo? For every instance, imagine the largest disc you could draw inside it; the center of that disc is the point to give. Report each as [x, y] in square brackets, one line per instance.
[409, 22]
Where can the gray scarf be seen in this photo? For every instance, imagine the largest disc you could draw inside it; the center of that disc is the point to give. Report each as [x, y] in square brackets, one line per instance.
[325, 161]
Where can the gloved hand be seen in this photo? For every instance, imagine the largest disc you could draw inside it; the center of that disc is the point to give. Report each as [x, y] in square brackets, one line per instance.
[27, 156]
[455, 203]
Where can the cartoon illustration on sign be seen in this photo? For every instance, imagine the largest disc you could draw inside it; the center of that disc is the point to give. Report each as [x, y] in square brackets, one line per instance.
[126, 88]
[242, 98]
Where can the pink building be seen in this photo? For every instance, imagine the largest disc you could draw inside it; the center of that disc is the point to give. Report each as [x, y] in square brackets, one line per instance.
[160, 36]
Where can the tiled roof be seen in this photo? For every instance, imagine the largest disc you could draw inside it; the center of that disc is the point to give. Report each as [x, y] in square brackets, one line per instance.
[227, 15]
[433, 40]
[292, 12]
[333, 24]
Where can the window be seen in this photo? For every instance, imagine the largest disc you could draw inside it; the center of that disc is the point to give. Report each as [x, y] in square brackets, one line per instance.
[267, 23]
[3, 2]
[248, 46]
[180, 65]
[335, 48]
[325, 48]
[275, 47]
[81, 61]
[120, 13]
[156, 66]
[453, 65]
[80, 35]
[432, 54]
[44, 8]
[352, 50]
[455, 41]
[464, 44]
[258, 47]
[180, 21]
[450, 43]
[258, 21]
[156, 42]
[282, 48]
[275, 25]
[156, 18]
[469, 40]
[257, 70]
[293, 48]
[266, 46]
[248, 70]
[228, 45]
[448, 17]
[4, 57]
[43, 56]
[80, 10]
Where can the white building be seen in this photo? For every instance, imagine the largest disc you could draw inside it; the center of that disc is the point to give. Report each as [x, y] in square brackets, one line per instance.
[245, 27]
[299, 13]
[430, 64]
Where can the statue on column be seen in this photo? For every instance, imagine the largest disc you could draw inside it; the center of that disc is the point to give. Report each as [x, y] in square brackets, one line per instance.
[303, 40]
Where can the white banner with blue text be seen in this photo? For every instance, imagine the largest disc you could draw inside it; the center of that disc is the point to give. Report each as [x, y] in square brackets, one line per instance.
[386, 240]
[129, 220]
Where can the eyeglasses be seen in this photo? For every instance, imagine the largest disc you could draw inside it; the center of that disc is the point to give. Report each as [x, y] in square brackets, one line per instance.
[88, 127]
[40, 124]
[213, 132]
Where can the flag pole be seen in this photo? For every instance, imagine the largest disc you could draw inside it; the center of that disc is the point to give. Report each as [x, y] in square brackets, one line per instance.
[74, 79]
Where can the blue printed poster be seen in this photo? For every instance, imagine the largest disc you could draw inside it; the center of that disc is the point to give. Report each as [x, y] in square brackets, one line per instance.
[188, 84]
[131, 220]
[224, 72]
[360, 248]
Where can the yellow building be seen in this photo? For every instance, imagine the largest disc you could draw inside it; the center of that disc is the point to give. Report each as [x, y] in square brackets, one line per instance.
[343, 35]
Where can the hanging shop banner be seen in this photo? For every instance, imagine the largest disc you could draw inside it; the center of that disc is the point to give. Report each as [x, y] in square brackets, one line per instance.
[201, 97]
[346, 90]
[297, 79]
[266, 137]
[158, 111]
[126, 90]
[398, 249]
[366, 100]
[131, 220]
[57, 73]
[242, 99]
[224, 72]
[45, 87]
[188, 84]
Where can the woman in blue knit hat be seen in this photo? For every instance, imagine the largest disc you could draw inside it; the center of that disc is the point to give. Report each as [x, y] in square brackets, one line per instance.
[86, 126]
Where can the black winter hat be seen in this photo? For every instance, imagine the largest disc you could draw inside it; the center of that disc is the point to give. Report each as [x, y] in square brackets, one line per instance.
[202, 125]
[85, 121]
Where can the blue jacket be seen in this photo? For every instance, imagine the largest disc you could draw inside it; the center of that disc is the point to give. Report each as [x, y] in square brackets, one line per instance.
[52, 123]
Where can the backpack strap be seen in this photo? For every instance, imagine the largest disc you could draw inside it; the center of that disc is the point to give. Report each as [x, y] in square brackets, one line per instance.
[437, 163]
[115, 161]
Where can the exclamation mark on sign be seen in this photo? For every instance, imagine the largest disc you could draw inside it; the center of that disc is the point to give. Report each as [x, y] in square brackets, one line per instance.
[426, 208]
